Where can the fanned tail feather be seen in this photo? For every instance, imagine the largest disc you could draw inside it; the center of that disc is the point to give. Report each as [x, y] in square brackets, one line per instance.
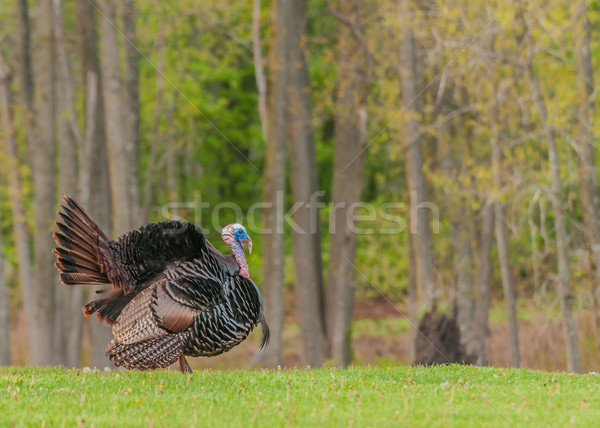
[78, 255]
[83, 257]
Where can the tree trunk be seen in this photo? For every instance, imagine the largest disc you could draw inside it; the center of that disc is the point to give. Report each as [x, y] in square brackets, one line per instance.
[588, 186]
[419, 225]
[4, 313]
[171, 158]
[261, 84]
[564, 286]
[503, 254]
[68, 298]
[464, 269]
[67, 316]
[21, 234]
[350, 144]
[93, 175]
[21, 237]
[461, 223]
[120, 168]
[132, 104]
[563, 279]
[413, 304]
[26, 83]
[43, 186]
[484, 278]
[274, 178]
[156, 135]
[508, 285]
[306, 233]
[67, 109]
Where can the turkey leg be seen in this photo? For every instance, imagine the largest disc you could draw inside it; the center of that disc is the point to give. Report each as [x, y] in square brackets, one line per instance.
[184, 366]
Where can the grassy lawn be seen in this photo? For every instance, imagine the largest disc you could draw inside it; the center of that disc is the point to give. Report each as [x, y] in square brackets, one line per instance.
[360, 396]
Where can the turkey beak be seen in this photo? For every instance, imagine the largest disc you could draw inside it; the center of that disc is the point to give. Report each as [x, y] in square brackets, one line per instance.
[248, 242]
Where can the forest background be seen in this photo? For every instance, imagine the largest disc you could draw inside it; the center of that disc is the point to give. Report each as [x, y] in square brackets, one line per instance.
[451, 144]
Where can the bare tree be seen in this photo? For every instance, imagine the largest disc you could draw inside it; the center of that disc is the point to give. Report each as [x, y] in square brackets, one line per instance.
[588, 186]
[414, 161]
[274, 177]
[158, 111]
[132, 104]
[94, 183]
[306, 233]
[25, 71]
[483, 281]
[501, 235]
[43, 185]
[451, 151]
[67, 109]
[119, 165]
[564, 276]
[564, 287]
[68, 325]
[21, 235]
[259, 73]
[350, 133]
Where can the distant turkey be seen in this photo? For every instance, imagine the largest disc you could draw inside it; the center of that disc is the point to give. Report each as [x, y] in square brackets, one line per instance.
[173, 294]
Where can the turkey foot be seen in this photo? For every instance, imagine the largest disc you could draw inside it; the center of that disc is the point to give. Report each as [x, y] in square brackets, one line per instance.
[184, 367]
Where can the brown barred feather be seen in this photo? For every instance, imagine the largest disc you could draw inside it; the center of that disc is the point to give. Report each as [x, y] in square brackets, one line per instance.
[148, 354]
[136, 322]
[78, 278]
[80, 257]
[77, 246]
[77, 253]
[169, 313]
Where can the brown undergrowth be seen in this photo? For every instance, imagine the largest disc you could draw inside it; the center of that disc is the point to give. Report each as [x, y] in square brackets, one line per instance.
[386, 341]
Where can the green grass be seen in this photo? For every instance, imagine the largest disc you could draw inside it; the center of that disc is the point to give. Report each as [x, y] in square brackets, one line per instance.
[360, 396]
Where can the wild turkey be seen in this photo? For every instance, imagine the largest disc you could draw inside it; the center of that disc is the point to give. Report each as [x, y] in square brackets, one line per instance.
[173, 294]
